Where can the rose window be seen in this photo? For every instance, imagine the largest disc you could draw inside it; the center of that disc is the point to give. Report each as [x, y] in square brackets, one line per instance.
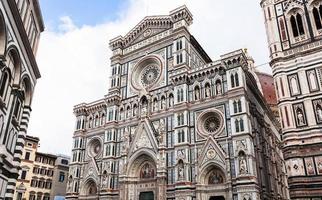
[146, 73]
[212, 124]
[95, 147]
[149, 75]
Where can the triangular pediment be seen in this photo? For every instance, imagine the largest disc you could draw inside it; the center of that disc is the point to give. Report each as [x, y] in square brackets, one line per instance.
[148, 27]
[144, 137]
[212, 152]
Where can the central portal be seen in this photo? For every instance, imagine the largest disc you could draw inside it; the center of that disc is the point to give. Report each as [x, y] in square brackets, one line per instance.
[217, 198]
[146, 196]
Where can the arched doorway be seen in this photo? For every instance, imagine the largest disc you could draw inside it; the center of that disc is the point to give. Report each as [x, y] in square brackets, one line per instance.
[90, 188]
[217, 198]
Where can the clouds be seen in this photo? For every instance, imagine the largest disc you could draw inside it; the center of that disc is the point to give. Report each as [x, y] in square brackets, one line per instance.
[74, 61]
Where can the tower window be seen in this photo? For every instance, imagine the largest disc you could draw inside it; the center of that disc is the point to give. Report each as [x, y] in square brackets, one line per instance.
[297, 25]
[317, 13]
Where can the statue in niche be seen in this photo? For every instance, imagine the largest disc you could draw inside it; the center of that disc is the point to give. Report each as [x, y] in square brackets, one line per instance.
[319, 112]
[170, 101]
[128, 112]
[218, 87]
[147, 171]
[104, 179]
[242, 163]
[163, 103]
[320, 167]
[215, 177]
[181, 170]
[155, 106]
[300, 117]
[197, 94]
[208, 92]
[135, 111]
[310, 168]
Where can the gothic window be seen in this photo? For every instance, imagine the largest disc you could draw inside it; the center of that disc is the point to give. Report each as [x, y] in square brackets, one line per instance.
[179, 58]
[147, 171]
[3, 84]
[121, 113]
[239, 125]
[180, 94]
[181, 136]
[317, 13]
[196, 93]
[297, 25]
[179, 44]
[283, 30]
[237, 106]
[232, 80]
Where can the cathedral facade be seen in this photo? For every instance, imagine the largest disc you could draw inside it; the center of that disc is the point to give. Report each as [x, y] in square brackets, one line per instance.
[294, 31]
[175, 124]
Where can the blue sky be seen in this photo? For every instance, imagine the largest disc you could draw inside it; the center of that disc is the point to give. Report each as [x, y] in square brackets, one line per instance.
[77, 33]
[83, 12]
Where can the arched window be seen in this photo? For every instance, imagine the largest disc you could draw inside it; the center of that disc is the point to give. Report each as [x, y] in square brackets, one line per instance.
[239, 106]
[236, 79]
[96, 121]
[3, 84]
[237, 125]
[317, 17]
[235, 107]
[90, 121]
[121, 113]
[294, 86]
[297, 25]
[232, 80]
[170, 100]
[241, 124]
[103, 119]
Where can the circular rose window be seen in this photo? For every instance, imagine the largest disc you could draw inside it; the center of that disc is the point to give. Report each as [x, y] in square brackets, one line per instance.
[146, 73]
[95, 147]
[210, 122]
[149, 75]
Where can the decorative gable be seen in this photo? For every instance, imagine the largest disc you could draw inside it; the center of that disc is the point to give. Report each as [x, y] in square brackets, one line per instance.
[212, 152]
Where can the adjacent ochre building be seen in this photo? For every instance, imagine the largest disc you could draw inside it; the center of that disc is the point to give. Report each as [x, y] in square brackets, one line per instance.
[294, 31]
[20, 27]
[42, 176]
[177, 125]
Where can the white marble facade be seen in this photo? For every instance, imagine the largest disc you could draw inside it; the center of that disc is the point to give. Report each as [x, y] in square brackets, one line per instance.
[175, 124]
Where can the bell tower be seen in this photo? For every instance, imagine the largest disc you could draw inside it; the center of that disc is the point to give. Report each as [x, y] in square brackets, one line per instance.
[294, 35]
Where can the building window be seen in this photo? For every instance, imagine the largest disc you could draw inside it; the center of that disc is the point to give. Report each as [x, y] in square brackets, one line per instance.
[61, 176]
[312, 80]
[181, 137]
[234, 79]
[64, 162]
[297, 25]
[27, 156]
[180, 94]
[294, 84]
[23, 174]
[179, 45]
[239, 125]
[179, 58]
[237, 106]
[317, 13]
[3, 84]
[180, 119]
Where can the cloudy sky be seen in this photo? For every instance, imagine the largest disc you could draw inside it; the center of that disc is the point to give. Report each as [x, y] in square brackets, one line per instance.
[73, 55]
